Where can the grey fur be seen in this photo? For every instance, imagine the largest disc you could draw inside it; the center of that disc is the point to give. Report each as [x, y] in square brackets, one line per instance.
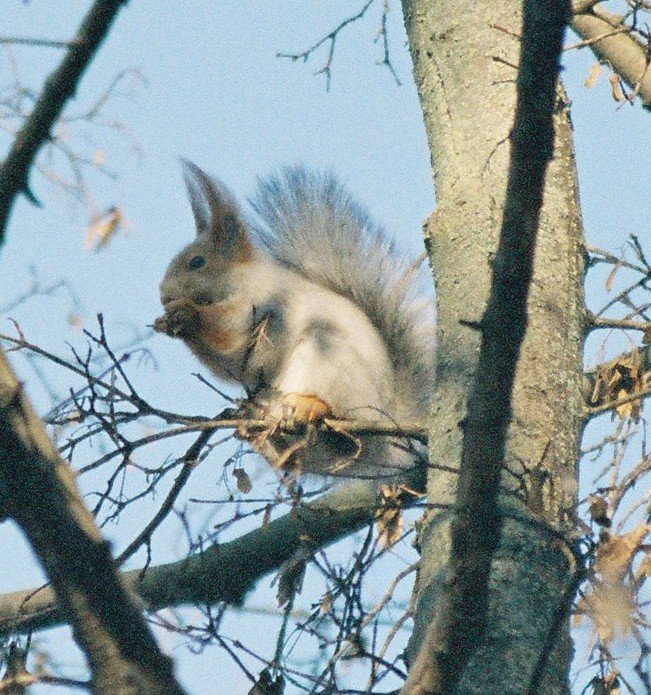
[322, 332]
[314, 226]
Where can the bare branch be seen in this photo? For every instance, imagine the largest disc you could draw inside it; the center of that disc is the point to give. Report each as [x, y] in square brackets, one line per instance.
[225, 572]
[625, 324]
[59, 87]
[38, 43]
[627, 56]
[331, 40]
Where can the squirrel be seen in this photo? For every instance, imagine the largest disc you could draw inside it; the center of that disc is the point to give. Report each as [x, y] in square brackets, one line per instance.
[310, 309]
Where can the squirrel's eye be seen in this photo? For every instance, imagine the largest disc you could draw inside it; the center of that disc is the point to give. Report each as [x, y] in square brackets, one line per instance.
[197, 262]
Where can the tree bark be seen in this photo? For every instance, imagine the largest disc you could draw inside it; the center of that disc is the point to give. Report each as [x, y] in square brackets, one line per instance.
[465, 73]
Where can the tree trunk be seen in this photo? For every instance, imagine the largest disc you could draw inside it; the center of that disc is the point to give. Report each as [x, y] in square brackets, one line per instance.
[465, 73]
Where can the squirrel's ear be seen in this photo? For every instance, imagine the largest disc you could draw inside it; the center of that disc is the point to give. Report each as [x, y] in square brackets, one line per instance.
[216, 213]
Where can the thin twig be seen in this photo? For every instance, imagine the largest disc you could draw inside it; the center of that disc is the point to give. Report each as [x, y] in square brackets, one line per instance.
[331, 37]
[44, 43]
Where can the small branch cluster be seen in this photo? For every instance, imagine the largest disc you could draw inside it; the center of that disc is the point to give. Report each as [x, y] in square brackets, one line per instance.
[330, 40]
[45, 136]
[119, 443]
[622, 42]
[614, 531]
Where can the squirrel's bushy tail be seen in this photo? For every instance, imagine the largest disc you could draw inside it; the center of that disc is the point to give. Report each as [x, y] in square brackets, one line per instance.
[313, 225]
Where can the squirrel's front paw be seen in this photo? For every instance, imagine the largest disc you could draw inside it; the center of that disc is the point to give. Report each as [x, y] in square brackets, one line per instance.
[303, 408]
[180, 320]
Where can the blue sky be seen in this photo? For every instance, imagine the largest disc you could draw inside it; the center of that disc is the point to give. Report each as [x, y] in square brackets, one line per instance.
[212, 90]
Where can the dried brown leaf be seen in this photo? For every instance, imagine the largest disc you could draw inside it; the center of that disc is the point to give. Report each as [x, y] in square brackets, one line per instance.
[610, 280]
[615, 555]
[599, 510]
[625, 378]
[388, 515]
[326, 602]
[291, 574]
[616, 88]
[630, 409]
[611, 609]
[243, 481]
[593, 75]
[102, 229]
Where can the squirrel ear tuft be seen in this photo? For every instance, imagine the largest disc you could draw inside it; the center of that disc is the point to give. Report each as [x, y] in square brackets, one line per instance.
[216, 213]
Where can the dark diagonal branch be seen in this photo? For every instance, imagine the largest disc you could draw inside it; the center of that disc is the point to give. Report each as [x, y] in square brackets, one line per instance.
[59, 87]
[456, 634]
[37, 488]
[38, 492]
[225, 572]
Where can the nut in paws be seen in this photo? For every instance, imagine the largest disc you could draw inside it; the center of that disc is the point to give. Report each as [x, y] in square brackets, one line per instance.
[303, 409]
[181, 319]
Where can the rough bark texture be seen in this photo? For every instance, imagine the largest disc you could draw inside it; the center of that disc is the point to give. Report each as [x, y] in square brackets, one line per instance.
[468, 101]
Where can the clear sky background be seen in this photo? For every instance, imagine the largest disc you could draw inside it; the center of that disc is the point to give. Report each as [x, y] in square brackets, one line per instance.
[211, 89]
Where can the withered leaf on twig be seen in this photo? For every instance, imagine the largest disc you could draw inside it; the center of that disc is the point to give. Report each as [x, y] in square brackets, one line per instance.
[611, 609]
[610, 602]
[617, 380]
[599, 510]
[102, 229]
[615, 554]
[326, 602]
[593, 75]
[243, 481]
[291, 574]
[610, 280]
[388, 515]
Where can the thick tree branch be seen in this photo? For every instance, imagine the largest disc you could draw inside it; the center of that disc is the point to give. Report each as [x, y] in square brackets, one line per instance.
[456, 633]
[224, 572]
[38, 492]
[59, 87]
[582, 6]
[625, 54]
